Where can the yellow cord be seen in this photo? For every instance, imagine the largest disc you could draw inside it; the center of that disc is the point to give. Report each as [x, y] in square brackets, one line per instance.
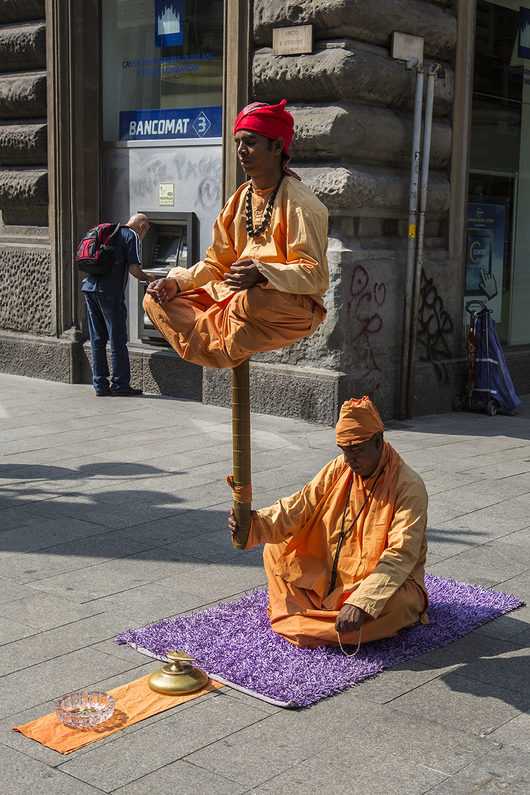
[358, 645]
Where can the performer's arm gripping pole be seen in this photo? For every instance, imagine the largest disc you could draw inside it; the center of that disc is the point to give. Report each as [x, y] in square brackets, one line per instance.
[241, 451]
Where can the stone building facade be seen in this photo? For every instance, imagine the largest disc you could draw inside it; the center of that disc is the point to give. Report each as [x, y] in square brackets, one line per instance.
[49, 186]
[353, 109]
[26, 302]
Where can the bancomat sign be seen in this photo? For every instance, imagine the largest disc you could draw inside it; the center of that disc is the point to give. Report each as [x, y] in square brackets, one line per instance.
[172, 123]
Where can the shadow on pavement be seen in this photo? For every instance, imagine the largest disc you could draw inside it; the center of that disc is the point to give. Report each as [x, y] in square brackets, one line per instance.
[122, 519]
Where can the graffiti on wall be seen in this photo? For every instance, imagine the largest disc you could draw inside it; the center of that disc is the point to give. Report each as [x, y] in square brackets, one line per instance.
[434, 328]
[366, 300]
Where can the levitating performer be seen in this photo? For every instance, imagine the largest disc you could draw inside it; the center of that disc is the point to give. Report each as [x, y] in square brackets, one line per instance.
[260, 285]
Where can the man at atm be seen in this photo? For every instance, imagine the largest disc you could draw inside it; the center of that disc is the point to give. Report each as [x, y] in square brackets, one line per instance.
[261, 284]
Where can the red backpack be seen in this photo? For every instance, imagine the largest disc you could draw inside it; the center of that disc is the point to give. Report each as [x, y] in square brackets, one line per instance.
[95, 252]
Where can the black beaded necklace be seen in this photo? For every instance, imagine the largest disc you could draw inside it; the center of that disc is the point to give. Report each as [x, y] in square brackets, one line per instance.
[266, 215]
[343, 533]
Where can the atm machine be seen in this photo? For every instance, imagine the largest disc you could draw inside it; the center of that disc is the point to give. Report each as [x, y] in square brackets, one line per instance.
[170, 242]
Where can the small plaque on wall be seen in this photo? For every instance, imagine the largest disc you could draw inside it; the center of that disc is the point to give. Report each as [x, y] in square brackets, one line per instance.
[296, 40]
[166, 194]
[405, 46]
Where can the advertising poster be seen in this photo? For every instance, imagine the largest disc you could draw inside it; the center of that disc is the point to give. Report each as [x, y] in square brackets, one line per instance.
[485, 255]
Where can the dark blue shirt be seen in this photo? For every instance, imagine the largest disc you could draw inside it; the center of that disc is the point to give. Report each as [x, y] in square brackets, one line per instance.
[126, 252]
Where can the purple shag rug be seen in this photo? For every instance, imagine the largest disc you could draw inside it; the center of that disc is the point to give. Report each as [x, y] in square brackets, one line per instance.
[234, 643]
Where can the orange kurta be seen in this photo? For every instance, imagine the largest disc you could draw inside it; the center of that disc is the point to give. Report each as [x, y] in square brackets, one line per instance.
[209, 323]
[381, 564]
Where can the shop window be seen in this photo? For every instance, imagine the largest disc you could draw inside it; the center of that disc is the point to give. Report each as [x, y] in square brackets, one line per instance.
[161, 69]
[498, 236]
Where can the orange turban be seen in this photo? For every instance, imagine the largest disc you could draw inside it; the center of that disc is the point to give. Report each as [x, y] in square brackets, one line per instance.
[358, 421]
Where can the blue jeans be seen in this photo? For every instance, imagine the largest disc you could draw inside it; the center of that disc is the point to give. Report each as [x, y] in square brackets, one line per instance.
[107, 321]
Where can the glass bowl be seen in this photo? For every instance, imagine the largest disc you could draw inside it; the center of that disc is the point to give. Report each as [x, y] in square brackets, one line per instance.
[84, 708]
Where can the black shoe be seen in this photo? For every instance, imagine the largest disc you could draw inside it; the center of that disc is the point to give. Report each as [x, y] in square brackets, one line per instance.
[102, 392]
[127, 391]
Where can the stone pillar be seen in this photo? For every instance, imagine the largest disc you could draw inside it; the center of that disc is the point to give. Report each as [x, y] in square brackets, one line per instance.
[73, 116]
[26, 296]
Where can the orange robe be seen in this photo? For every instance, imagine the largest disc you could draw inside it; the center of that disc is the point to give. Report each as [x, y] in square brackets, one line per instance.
[381, 565]
[209, 323]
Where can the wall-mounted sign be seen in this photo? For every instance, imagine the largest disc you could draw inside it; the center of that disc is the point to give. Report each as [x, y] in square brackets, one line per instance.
[405, 46]
[297, 40]
[166, 194]
[172, 123]
[168, 23]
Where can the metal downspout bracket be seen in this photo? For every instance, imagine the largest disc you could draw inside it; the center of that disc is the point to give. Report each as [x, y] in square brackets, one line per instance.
[434, 71]
[412, 63]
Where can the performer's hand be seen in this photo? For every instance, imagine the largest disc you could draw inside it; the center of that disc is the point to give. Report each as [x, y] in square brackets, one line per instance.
[244, 274]
[163, 290]
[232, 523]
[349, 619]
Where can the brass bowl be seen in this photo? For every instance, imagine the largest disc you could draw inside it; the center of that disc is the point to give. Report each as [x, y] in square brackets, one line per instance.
[84, 708]
[178, 676]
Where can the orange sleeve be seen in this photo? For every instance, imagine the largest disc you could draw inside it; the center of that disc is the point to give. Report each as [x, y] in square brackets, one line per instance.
[305, 270]
[288, 515]
[219, 256]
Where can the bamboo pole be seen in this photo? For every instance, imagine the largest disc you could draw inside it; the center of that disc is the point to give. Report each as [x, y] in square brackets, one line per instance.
[241, 449]
[236, 90]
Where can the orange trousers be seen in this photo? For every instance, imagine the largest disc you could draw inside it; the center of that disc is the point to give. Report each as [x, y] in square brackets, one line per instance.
[225, 334]
[294, 614]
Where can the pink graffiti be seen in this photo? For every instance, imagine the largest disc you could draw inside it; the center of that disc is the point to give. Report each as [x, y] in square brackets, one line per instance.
[363, 312]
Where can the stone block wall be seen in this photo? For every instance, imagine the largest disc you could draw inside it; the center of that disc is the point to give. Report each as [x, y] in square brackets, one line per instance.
[26, 284]
[353, 106]
[23, 155]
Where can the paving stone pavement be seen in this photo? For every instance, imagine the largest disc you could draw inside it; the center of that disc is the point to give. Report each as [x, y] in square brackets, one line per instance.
[113, 514]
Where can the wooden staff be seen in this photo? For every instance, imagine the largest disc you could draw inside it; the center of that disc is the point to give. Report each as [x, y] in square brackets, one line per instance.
[241, 452]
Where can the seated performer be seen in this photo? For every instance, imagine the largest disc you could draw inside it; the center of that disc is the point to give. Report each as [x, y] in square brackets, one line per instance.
[345, 556]
[260, 286]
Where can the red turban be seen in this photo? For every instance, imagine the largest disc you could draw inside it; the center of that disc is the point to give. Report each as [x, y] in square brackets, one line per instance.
[272, 121]
[358, 421]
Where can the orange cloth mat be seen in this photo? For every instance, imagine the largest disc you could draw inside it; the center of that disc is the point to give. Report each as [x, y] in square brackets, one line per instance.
[133, 702]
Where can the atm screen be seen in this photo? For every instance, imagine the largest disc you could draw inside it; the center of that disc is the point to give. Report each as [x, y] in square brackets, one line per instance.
[170, 242]
[170, 249]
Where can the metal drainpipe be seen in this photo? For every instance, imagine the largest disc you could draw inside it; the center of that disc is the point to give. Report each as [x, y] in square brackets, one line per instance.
[412, 63]
[434, 69]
